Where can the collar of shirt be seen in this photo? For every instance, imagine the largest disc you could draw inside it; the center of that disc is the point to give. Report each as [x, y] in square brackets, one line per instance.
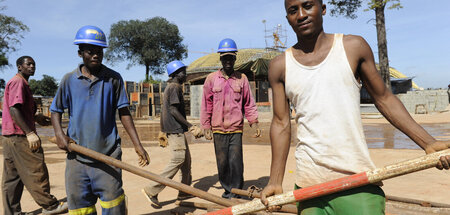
[81, 76]
[20, 76]
[233, 75]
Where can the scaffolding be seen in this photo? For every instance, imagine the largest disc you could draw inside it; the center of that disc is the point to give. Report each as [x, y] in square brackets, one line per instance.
[275, 38]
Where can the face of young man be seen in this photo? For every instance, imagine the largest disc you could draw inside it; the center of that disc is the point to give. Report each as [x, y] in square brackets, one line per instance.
[228, 62]
[28, 67]
[181, 75]
[305, 16]
[92, 55]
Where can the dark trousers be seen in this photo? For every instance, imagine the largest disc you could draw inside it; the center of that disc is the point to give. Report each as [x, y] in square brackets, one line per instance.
[230, 164]
[22, 167]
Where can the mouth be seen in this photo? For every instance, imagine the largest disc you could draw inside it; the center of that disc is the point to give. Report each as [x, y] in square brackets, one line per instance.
[304, 24]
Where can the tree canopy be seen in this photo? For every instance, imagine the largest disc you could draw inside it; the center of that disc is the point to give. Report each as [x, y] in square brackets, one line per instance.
[11, 32]
[47, 86]
[2, 86]
[348, 8]
[152, 43]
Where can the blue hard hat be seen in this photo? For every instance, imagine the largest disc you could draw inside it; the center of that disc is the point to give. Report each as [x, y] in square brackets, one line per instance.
[174, 66]
[227, 45]
[90, 35]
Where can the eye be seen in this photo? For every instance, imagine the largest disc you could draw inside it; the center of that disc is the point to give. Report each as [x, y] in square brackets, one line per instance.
[308, 5]
[292, 10]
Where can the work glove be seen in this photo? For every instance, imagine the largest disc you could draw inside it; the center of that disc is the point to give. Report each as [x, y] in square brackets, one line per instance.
[196, 131]
[162, 139]
[208, 134]
[42, 120]
[34, 142]
[257, 129]
[53, 139]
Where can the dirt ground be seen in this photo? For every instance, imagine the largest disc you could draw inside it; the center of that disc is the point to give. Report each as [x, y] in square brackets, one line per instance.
[429, 185]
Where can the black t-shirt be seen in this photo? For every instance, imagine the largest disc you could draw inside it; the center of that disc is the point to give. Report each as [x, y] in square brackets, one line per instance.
[173, 95]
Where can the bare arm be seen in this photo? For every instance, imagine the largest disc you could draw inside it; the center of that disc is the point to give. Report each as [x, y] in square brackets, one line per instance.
[34, 142]
[390, 106]
[280, 129]
[17, 117]
[61, 139]
[128, 124]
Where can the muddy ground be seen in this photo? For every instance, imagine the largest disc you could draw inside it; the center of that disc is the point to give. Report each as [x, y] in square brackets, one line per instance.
[387, 145]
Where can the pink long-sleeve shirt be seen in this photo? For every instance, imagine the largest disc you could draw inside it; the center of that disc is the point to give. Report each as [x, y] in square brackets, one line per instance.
[226, 101]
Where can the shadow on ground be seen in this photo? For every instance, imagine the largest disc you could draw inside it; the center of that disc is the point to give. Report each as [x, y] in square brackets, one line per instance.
[39, 211]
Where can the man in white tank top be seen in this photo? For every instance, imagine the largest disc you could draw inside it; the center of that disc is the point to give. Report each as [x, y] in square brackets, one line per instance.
[321, 76]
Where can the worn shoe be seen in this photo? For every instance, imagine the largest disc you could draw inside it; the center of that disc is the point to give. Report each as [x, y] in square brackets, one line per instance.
[152, 199]
[226, 195]
[61, 208]
[183, 196]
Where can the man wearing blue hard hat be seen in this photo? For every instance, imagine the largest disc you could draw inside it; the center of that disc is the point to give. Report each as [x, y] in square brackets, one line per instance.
[92, 93]
[173, 125]
[227, 98]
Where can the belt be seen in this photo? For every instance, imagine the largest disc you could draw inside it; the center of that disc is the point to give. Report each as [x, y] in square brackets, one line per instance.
[15, 135]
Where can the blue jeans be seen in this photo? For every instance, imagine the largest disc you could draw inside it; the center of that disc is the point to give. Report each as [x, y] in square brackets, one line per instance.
[87, 182]
[230, 166]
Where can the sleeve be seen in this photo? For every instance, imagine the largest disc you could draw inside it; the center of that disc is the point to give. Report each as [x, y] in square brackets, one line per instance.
[206, 108]
[250, 109]
[174, 95]
[60, 101]
[15, 95]
[121, 96]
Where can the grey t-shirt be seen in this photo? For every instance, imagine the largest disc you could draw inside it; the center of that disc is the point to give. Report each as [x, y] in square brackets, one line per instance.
[173, 95]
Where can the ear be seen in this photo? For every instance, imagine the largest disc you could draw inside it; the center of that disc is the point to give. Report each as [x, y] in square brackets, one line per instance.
[324, 9]
[19, 67]
[80, 54]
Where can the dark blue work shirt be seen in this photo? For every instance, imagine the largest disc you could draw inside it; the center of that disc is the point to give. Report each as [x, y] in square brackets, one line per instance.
[92, 106]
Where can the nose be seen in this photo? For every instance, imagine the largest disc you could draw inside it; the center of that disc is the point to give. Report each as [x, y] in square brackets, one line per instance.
[301, 15]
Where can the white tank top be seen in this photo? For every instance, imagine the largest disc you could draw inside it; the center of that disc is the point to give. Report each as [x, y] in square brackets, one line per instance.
[330, 139]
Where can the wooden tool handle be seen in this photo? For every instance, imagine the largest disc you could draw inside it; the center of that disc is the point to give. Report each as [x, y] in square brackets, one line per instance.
[338, 185]
[149, 175]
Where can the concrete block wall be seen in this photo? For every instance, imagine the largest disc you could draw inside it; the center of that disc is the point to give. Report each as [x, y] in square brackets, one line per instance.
[196, 92]
[431, 100]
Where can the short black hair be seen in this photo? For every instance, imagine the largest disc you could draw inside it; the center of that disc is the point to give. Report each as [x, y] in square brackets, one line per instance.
[320, 1]
[20, 60]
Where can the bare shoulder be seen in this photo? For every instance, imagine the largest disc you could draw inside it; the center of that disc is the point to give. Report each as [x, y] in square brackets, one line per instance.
[277, 67]
[355, 43]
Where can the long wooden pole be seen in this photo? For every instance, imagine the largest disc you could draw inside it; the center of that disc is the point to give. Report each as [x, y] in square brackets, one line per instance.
[340, 184]
[149, 175]
[285, 208]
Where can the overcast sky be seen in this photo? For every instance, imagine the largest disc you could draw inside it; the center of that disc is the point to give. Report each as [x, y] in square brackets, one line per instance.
[418, 34]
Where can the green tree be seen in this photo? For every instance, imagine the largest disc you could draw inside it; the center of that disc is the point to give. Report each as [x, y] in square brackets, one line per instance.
[151, 80]
[2, 86]
[45, 87]
[152, 43]
[348, 8]
[11, 32]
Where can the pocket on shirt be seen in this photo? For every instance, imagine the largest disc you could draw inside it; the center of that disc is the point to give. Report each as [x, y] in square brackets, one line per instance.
[237, 89]
[217, 94]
